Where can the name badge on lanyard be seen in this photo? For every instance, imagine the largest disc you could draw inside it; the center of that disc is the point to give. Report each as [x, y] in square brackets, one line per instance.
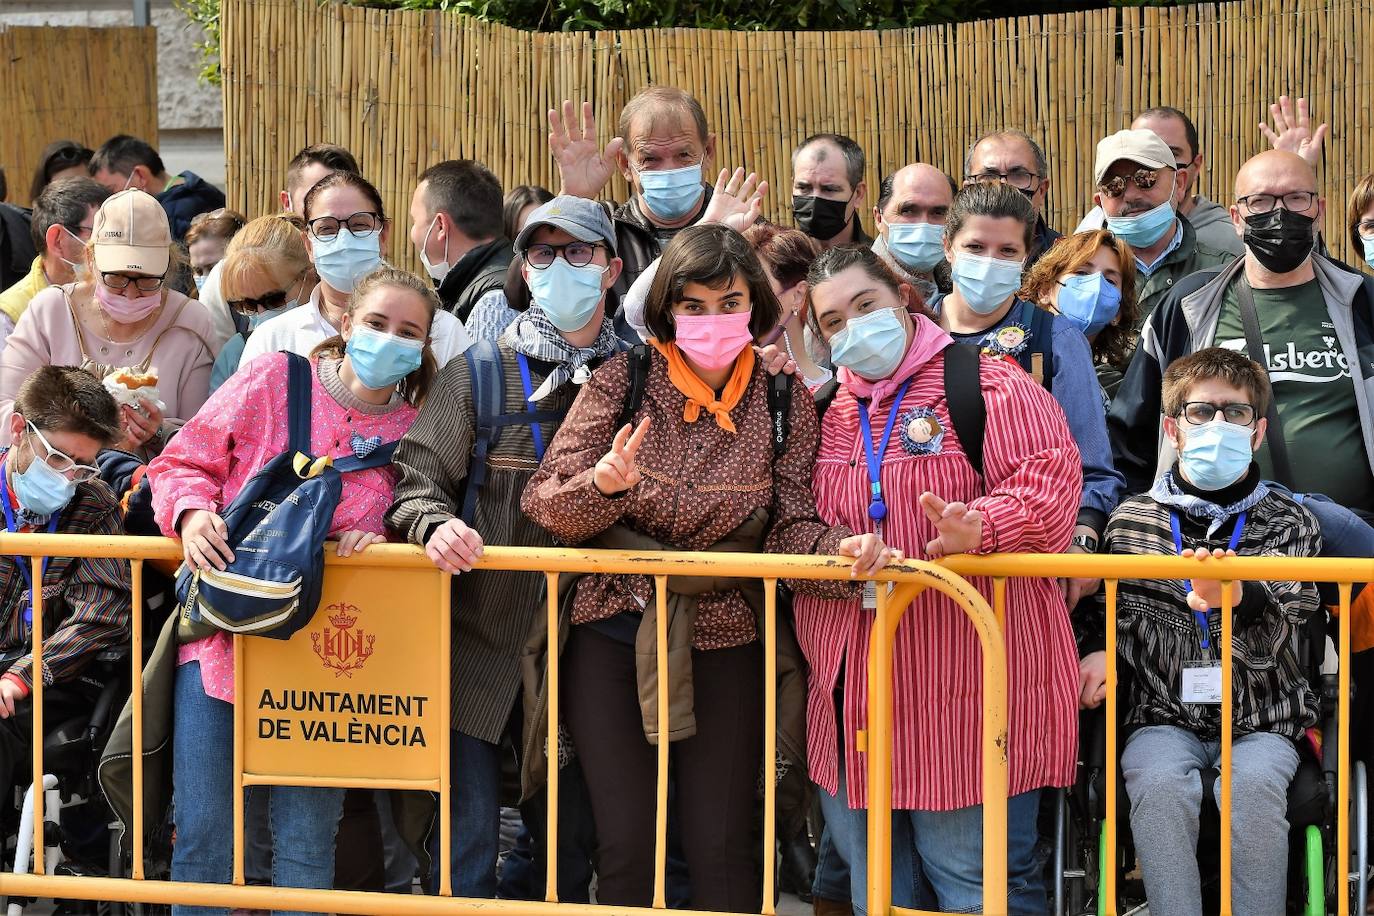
[1201, 678]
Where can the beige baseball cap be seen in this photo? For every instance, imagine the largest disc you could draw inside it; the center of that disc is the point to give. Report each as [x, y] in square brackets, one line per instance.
[132, 234]
[1141, 146]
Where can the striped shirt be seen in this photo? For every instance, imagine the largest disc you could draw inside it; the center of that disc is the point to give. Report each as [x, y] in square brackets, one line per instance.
[1029, 501]
[493, 610]
[1157, 632]
[86, 601]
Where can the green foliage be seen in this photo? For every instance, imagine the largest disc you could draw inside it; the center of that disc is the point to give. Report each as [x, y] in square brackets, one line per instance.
[205, 13]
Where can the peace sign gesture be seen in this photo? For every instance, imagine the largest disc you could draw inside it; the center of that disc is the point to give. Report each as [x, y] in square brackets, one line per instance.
[584, 168]
[616, 471]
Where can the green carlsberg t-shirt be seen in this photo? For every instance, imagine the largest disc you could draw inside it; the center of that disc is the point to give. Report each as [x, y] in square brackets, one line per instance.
[1313, 390]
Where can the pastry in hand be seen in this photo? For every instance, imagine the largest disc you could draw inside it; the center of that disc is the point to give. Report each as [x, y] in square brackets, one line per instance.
[131, 385]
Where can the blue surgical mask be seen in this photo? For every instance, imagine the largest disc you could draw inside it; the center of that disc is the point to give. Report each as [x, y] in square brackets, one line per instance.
[1369, 252]
[671, 193]
[1143, 229]
[346, 258]
[1216, 454]
[199, 280]
[381, 360]
[41, 490]
[871, 346]
[255, 321]
[1088, 301]
[985, 283]
[567, 295]
[916, 246]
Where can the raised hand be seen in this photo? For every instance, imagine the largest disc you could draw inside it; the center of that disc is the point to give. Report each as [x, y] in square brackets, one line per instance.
[584, 167]
[1206, 594]
[869, 552]
[1295, 134]
[738, 200]
[960, 528]
[616, 471]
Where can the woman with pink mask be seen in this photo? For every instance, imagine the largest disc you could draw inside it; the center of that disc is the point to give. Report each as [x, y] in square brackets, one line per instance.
[692, 467]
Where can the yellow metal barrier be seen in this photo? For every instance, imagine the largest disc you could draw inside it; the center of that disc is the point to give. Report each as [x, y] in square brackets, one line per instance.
[253, 767]
[1112, 569]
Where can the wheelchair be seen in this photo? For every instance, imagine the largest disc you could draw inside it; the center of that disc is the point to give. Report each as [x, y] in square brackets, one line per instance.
[1078, 867]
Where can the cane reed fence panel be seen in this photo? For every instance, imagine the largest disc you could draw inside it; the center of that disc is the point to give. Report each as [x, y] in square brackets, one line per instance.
[84, 84]
[405, 89]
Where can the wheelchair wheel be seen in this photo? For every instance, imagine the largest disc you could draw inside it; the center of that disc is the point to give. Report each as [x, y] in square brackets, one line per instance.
[1359, 801]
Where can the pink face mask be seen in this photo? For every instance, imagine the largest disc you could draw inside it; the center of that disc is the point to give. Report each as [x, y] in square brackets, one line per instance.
[713, 341]
[125, 310]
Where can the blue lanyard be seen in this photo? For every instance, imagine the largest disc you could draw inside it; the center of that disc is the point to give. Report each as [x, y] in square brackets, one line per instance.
[23, 562]
[877, 509]
[1201, 616]
[529, 393]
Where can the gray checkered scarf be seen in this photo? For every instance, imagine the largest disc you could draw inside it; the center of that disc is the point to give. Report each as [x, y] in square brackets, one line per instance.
[534, 335]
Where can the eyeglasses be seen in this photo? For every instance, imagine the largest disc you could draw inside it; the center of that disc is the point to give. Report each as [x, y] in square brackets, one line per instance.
[1141, 178]
[1293, 201]
[264, 303]
[61, 462]
[121, 282]
[1200, 412]
[578, 254]
[1366, 228]
[78, 229]
[359, 225]
[1019, 178]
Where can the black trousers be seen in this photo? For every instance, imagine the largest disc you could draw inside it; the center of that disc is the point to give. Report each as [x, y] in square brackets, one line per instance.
[715, 772]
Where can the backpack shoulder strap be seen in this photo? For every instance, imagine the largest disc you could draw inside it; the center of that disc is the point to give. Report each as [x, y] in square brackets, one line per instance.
[298, 393]
[1254, 346]
[779, 410]
[964, 396]
[1038, 356]
[377, 458]
[487, 381]
[640, 363]
[824, 396]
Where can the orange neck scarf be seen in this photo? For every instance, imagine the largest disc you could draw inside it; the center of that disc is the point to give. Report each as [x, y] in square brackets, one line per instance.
[699, 394]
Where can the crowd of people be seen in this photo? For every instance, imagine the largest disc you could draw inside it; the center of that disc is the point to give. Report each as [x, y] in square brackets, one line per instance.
[1175, 377]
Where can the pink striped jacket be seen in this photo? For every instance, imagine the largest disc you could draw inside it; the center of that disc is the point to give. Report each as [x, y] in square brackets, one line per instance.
[1029, 503]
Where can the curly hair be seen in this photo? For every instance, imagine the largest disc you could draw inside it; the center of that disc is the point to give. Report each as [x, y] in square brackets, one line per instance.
[1114, 343]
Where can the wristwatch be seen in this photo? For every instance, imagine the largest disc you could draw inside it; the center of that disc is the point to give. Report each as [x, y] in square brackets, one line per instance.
[1086, 541]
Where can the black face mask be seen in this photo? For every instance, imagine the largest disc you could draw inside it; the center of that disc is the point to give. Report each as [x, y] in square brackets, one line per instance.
[1280, 239]
[820, 218]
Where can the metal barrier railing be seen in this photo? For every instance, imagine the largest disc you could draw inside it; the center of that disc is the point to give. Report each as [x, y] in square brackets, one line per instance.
[905, 582]
[1112, 569]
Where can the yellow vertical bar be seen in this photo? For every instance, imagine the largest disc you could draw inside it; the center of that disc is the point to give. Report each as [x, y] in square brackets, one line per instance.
[238, 760]
[136, 650]
[445, 735]
[995, 776]
[551, 741]
[661, 811]
[1107, 907]
[1226, 711]
[36, 604]
[770, 741]
[879, 752]
[1343, 758]
[999, 601]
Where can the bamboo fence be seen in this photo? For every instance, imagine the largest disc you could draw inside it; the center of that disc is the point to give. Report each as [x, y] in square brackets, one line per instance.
[405, 89]
[83, 84]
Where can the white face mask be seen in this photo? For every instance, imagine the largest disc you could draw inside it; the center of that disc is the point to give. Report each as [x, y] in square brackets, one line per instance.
[436, 269]
[78, 267]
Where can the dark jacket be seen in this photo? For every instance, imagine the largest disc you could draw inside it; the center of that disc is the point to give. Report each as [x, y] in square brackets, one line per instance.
[16, 246]
[1186, 321]
[188, 199]
[1191, 256]
[477, 273]
[638, 242]
[1041, 241]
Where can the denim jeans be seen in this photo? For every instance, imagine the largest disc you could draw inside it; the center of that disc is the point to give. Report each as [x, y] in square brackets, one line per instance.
[475, 815]
[304, 820]
[832, 872]
[1160, 765]
[941, 852]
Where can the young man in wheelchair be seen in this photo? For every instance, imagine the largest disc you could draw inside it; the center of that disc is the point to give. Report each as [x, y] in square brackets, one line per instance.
[1211, 503]
[62, 417]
